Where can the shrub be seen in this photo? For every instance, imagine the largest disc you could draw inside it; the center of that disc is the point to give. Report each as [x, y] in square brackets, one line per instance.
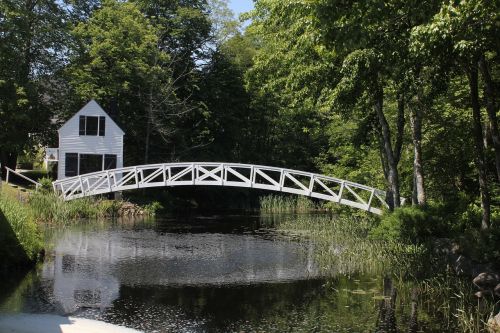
[152, 208]
[410, 224]
[46, 184]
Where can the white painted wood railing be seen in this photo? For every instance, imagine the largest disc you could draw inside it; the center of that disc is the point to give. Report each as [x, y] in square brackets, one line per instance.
[224, 174]
[9, 171]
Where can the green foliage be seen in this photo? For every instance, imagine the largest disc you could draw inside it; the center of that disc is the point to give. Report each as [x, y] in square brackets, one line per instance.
[481, 245]
[407, 224]
[120, 46]
[31, 51]
[46, 184]
[151, 209]
[20, 238]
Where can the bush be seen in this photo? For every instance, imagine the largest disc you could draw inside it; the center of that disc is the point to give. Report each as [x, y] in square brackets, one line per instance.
[152, 208]
[46, 184]
[410, 224]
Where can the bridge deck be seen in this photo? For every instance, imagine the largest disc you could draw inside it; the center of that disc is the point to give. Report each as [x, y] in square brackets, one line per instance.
[224, 174]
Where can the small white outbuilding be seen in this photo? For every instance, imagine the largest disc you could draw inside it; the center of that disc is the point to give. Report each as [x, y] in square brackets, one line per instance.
[89, 141]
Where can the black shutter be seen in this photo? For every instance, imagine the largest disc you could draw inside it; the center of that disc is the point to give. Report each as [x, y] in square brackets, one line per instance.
[102, 126]
[109, 162]
[82, 125]
[71, 165]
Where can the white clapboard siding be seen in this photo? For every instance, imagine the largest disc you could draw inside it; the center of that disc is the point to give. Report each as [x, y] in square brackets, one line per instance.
[71, 142]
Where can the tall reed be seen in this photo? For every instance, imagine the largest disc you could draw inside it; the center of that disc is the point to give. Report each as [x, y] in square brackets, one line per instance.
[286, 204]
[48, 208]
[342, 244]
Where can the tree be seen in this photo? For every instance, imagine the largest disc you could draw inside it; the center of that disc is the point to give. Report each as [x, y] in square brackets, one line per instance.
[466, 30]
[32, 51]
[119, 64]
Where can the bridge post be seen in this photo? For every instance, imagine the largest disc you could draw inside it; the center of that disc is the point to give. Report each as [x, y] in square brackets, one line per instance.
[193, 173]
[252, 176]
[109, 180]
[282, 180]
[164, 166]
[222, 174]
[340, 192]
[311, 185]
[136, 176]
[81, 185]
[370, 200]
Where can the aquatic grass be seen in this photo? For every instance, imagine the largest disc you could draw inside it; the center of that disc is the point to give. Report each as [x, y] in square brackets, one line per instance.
[445, 303]
[342, 244]
[283, 204]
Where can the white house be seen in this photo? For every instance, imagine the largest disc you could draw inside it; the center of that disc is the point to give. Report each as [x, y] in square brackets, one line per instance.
[90, 141]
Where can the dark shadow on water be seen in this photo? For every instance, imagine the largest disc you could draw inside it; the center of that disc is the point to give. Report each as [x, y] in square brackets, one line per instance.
[10, 280]
[14, 263]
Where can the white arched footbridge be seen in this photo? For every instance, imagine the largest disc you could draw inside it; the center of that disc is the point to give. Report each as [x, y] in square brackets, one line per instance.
[224, 174]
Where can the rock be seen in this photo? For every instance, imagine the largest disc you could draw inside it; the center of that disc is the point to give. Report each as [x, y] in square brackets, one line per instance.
[494, 324]
[480, 294]
[486, 280]
[130, 209]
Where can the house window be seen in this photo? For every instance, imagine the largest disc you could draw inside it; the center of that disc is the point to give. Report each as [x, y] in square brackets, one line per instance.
[109, 162]
[71, 164]
[90, 163]
[92, 125]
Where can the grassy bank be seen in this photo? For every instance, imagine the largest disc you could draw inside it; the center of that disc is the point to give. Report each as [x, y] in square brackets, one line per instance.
[20, 238]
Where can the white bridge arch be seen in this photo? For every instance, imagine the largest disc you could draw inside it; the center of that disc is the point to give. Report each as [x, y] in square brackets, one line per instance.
[224, 174]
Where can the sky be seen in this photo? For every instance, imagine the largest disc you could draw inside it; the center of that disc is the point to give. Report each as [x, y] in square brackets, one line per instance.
[240, 6]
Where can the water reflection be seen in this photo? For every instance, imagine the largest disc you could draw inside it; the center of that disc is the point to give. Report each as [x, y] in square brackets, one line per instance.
[207, 274]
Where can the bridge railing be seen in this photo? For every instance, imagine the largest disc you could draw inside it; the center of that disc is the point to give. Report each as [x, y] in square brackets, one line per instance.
[224, 174]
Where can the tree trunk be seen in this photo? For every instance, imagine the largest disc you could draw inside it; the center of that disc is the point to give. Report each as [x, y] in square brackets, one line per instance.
[489, 92]
[414, 194]
[7, 159]
[416, 116]
[472, 73]
[148, 125]
[393, 176]
[398, 146]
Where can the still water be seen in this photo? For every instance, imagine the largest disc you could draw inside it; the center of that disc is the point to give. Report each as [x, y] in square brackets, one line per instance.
[192, 274]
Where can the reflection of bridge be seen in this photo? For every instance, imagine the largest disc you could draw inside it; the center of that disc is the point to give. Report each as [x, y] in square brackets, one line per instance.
[224, 174]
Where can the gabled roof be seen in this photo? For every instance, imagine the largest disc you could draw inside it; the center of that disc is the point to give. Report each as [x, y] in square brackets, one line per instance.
[92, 104]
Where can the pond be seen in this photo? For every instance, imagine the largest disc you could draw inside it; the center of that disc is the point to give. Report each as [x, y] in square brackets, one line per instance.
[226, 273]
